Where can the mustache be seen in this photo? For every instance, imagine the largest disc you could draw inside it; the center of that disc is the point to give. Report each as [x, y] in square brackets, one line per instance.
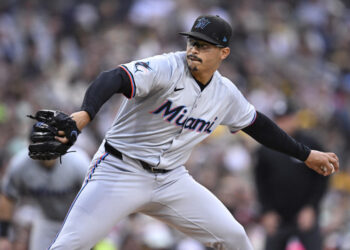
[194, 58]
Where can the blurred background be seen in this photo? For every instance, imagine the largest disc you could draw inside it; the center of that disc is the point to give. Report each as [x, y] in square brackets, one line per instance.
[296, 50]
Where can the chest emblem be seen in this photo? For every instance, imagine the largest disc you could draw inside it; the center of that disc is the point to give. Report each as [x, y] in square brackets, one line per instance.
[177, 116]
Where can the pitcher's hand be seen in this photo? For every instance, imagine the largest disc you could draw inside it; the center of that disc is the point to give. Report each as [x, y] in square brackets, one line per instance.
[323, 163]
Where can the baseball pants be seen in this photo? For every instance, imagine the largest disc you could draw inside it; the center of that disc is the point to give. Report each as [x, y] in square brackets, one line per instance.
[116, 188]
[43, 232]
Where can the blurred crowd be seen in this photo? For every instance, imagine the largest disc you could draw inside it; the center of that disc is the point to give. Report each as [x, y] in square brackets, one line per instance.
[292, 49]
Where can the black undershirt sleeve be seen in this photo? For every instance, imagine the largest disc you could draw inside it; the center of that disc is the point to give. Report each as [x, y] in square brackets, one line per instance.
[266, 132]
[103, 87]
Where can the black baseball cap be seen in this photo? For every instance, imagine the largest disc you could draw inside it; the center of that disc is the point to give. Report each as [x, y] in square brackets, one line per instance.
[212, 29]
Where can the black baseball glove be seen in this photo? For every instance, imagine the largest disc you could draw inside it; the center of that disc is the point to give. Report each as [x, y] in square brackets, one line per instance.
[43, 145]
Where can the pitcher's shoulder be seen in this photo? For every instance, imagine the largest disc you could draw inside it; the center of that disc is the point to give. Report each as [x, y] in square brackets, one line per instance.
[176, 58]
[227, 84]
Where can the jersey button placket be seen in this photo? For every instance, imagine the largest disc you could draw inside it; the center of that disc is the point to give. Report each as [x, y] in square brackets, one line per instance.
[194, 105]
[198, 94]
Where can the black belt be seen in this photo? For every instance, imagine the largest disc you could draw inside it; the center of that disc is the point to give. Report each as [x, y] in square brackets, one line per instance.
[115, 152]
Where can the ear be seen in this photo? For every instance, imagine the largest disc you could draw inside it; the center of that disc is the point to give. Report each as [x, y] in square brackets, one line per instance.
[225, 52]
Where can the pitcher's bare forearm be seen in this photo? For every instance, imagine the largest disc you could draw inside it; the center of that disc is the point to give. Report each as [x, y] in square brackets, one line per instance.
[81, 118]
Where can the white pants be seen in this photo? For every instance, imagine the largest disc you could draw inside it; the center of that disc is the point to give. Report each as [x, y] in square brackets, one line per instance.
[43, 232]
[115, 188]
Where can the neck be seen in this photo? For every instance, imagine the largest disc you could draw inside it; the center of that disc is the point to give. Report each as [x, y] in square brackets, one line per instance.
[202, 77]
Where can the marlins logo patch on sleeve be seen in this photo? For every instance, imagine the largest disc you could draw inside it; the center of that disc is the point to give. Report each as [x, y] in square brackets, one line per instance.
[142, 67]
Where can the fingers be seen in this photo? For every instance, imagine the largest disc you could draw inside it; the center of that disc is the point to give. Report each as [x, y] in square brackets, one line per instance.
[322, 170]
[334, 161]
[323, 163]
[61, 138]
[329, 165]
[327, 169]
[61, 133]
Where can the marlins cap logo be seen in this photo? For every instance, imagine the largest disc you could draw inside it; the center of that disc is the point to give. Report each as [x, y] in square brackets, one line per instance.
[202, 23]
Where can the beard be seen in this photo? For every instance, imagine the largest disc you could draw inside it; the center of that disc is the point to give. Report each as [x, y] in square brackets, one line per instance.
[192, 68]
[192, 63]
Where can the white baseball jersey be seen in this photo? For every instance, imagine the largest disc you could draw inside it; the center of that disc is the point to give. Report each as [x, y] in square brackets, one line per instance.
[168, 113]
[166, 117]
[53, 189]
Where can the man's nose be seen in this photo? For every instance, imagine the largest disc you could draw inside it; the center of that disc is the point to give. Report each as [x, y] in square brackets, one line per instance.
[194, 50]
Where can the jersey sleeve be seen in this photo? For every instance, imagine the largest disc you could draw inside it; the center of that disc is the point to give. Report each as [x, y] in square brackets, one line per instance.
[11, 185]
[148, 74]
[240, 114]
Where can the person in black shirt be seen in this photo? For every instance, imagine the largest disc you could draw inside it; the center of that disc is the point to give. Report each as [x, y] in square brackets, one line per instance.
[289, 193]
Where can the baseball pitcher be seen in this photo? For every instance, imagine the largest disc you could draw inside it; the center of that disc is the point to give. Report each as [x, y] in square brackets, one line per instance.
[174, 101]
